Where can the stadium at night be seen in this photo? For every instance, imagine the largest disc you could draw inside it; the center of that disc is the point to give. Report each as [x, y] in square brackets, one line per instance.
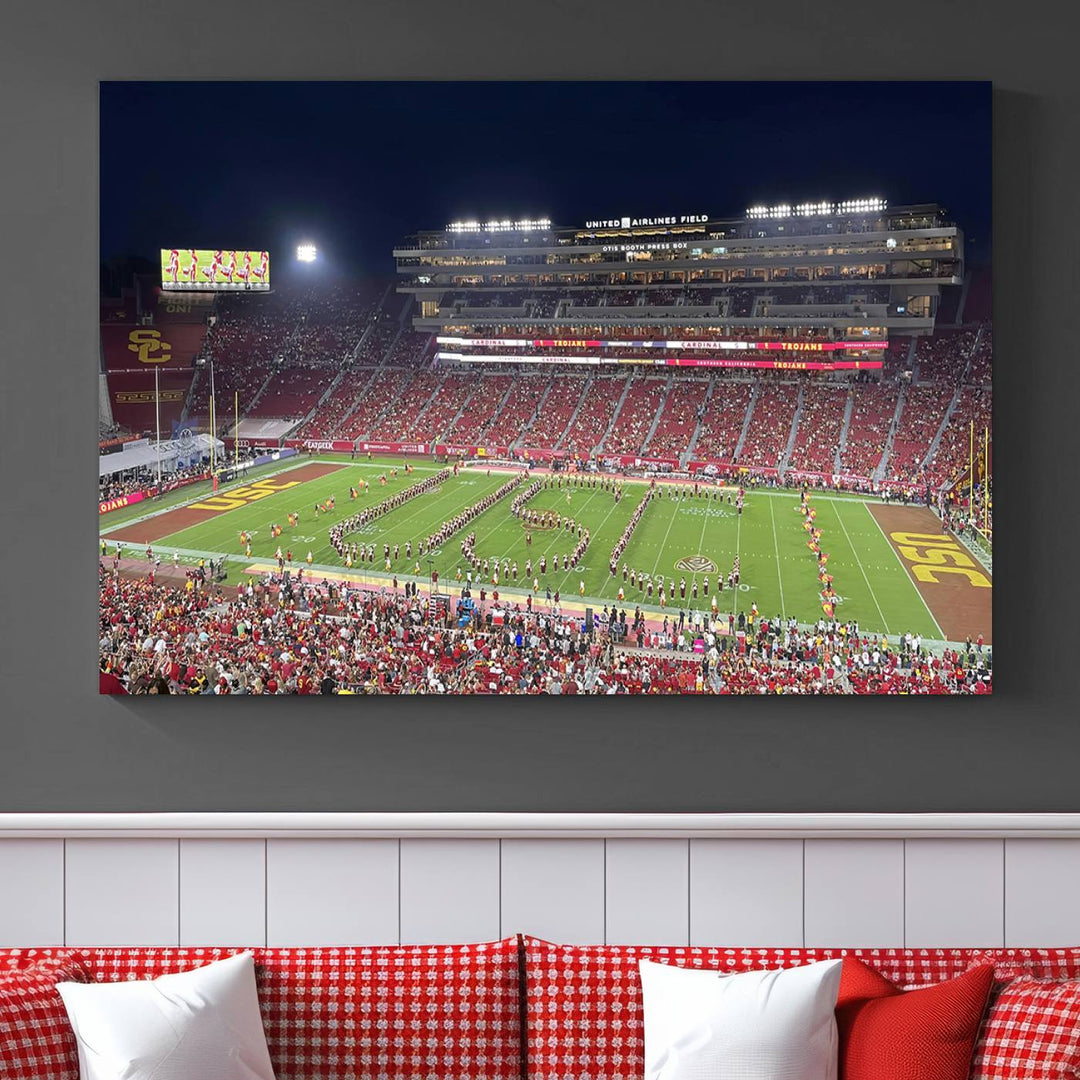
[737, 452]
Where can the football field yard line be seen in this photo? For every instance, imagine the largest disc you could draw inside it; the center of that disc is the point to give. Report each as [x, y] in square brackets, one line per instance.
[607, 516]
[580, 568]
[941, 633]
[701, 539]
[551, 540]
[418, 505]
[862, 570]
[776, 548]
[738, 548]
[419, 509]
[663, 543]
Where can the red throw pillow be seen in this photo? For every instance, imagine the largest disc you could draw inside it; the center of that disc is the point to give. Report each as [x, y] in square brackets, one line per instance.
[1032, 1032]
[36, 1038]
[891, 1034]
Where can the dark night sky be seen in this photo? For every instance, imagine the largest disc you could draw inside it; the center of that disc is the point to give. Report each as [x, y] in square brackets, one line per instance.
[356, 167]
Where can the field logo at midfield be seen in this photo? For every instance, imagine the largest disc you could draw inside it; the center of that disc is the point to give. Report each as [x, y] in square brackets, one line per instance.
[936, 553]
[241, 496]
[696, 564]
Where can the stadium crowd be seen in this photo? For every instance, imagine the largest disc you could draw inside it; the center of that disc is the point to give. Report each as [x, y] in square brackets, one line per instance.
[283, 638]
[111, 487]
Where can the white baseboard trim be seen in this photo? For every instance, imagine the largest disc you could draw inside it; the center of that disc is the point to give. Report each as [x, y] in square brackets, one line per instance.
[540, 826]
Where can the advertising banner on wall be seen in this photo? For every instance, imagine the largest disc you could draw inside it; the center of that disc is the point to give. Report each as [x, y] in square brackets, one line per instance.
[393, 447]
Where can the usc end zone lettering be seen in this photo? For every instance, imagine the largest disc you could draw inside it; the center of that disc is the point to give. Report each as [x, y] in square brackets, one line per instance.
[931, 554]
[241, 496]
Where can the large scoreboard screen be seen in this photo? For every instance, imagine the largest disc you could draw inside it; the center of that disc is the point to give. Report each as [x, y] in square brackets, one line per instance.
[195, 269]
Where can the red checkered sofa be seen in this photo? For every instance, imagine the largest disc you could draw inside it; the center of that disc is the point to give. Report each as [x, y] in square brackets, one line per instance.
[527, 1009]
[443, 1012]
[584, 1017]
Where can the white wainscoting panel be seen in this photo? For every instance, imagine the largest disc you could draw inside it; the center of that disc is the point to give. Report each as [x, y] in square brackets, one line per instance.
[1042, 892]
[739, 880]
[31, 892]
[746, 892]
[123, 892]
[954, 893]
[554, 889]
[222, 892]
[647, 892]
[854, 893]
[449, 891]
[332, 892]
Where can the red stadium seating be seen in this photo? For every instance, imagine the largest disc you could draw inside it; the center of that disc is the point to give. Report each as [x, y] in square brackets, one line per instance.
[820, 424]
[942, 358]
[131, 397]
[954, 450]
[566, 392]
[871, 417]
[635, 418]
[471, 427]
[679, 418]
[400, 420]
[924, 409]
[411, 349]
[508, 426]
[770, 425]
[387, 385]
[453, 392]
[595, 414]
[723, 420]
[981, 369]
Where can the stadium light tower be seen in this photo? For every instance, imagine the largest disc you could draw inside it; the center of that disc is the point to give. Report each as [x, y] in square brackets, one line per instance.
[306, 253]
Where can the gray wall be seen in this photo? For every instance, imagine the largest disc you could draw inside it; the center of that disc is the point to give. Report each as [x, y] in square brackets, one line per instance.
[61, 747]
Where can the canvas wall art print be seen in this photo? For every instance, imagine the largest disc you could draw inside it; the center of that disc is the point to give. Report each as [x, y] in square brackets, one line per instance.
[560, 388]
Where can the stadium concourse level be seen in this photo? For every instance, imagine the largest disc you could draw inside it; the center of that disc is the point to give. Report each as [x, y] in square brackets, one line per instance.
[342, 361]
[317, 638]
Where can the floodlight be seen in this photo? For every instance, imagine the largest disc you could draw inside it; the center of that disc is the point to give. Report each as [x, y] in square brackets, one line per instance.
[306, 253]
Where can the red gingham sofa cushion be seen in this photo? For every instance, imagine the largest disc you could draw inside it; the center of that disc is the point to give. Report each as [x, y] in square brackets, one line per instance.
[439, 1012]
[36, 1038]
[583, 1002]
[1036, 963]
[1031, 1032]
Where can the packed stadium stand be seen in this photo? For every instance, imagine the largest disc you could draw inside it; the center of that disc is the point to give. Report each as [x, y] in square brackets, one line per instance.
[403, 412]
[450, 397]
[399, 645]
[981, 367]
[941, 358]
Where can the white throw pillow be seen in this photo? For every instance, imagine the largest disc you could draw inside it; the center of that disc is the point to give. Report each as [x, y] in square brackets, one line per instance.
[756, 1025]
[202, 1024]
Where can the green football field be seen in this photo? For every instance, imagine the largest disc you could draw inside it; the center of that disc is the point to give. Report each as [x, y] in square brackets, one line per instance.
[778, 571]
